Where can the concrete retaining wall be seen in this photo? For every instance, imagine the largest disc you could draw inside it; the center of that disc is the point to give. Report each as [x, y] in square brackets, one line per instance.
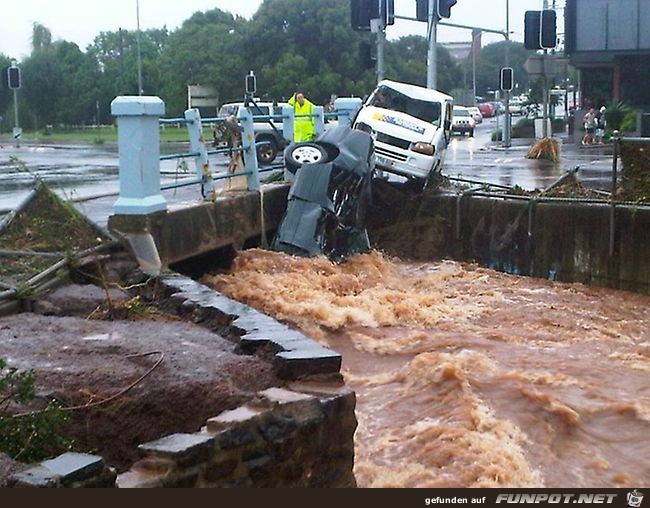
[187, 231]
[555, 240]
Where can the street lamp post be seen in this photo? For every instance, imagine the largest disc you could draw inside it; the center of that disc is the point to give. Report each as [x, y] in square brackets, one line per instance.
[140, 90]
[432, 57]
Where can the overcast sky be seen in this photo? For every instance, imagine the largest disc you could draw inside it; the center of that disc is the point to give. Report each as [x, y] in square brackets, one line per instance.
[80, 21]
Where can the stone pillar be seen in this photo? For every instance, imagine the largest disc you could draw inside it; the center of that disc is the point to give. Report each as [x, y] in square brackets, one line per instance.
[139, 145]
[347, 107]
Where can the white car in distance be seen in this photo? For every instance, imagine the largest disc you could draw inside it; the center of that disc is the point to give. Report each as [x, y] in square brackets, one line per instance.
[476, 114]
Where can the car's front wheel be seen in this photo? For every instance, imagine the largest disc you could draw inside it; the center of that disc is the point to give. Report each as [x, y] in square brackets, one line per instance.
[298, 154]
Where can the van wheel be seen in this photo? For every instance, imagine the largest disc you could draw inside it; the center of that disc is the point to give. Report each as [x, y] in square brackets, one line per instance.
[267, 152]
[471, 133]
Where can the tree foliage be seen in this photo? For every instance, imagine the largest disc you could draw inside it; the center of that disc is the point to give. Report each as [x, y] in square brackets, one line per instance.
[288, 43]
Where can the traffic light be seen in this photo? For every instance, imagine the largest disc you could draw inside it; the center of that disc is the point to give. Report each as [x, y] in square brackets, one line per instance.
[444, 8]
[362, 11]
[388, 12]
[507, 79]
[540, 29]
[422, 10]
[13, 78]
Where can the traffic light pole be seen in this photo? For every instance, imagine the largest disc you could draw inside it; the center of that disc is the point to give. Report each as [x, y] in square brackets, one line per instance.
[381, 53]
[16, 122]
[432, 56]
[507, 128]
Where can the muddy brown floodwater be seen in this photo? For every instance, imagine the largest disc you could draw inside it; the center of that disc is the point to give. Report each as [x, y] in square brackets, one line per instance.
[467, 377]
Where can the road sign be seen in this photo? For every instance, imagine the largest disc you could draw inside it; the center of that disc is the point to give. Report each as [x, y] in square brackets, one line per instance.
[18, 133]
[549, 66]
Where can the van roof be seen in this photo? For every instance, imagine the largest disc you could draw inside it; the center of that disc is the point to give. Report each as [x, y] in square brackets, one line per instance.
[417, 92]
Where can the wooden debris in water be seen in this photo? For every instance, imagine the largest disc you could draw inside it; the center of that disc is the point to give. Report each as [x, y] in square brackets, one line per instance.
[545, 148]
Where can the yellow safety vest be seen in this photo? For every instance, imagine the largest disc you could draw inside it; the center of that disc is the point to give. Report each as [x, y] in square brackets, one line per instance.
[304, 128]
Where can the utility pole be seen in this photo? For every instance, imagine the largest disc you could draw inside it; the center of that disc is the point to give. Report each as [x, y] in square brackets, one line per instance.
[545, 107]
[140, 90]
[432, 56]
[381, 52]
[507, 128]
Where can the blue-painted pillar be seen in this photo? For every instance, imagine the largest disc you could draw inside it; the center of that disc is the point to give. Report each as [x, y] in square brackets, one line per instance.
[250, 150]
[347, 108]
[288, 123]
[139, 145]
[319, 121]
[197, 145]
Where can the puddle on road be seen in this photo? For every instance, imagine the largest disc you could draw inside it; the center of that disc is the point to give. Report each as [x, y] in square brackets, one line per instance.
[467, 377]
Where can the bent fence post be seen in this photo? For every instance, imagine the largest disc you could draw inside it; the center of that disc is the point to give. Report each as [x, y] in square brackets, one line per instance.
[197, 145]
[250, 150]
[347, 108]
[139, 148]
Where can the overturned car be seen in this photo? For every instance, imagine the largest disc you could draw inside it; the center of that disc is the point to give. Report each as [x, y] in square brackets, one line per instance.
[329, 196]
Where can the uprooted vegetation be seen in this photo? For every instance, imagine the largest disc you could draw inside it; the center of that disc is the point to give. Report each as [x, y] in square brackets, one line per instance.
[45, 231]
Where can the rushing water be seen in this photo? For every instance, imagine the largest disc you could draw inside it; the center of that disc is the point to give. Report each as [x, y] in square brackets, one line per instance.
[467, 377]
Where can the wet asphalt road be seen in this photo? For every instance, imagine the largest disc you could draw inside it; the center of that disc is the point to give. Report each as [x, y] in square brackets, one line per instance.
[83, 171]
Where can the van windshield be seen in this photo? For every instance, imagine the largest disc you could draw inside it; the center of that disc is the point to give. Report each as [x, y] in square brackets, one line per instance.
[387, 98]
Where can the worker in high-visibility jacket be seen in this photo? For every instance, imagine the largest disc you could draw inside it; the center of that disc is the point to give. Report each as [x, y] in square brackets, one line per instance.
[304, 128]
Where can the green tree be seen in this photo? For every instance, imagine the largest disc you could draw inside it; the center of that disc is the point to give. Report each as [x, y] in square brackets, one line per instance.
[207, 50]
[6, 96]
[41, 38]
[490, 62]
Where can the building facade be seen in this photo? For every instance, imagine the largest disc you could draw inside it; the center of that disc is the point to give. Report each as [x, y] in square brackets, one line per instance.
[608, 41]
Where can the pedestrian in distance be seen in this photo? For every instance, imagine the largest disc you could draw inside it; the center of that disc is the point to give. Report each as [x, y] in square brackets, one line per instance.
[304, 126]
[590, 127]
[601, 125]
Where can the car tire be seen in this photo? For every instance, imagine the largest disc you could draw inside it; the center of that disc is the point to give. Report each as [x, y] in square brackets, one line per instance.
[298, 154]
[471, 133]
[266, 153]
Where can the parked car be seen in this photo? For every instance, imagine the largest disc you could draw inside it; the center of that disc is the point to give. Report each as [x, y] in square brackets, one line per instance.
[476, 114]
[517, 107]
[486, 110]
[411, 126]
[269, 131]
[463, 121]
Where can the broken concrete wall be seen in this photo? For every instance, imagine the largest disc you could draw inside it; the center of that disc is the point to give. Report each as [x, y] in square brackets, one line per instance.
[285, 439]
[567, 241]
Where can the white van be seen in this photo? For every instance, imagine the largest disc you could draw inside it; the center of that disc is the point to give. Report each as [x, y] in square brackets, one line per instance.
[411, 126]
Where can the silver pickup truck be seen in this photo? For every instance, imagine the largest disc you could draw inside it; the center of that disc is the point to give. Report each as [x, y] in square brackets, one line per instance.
[264, 130]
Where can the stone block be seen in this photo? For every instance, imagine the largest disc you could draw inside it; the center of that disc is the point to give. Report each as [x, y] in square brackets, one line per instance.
[139, 480]
[181, 480]
[259, 468]
[36, 477]
[71, 467]
[184, 449]
[278, 428]
[302, 363]
[237, 437]
[227, 419]
[220, 469]
[282, 396]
